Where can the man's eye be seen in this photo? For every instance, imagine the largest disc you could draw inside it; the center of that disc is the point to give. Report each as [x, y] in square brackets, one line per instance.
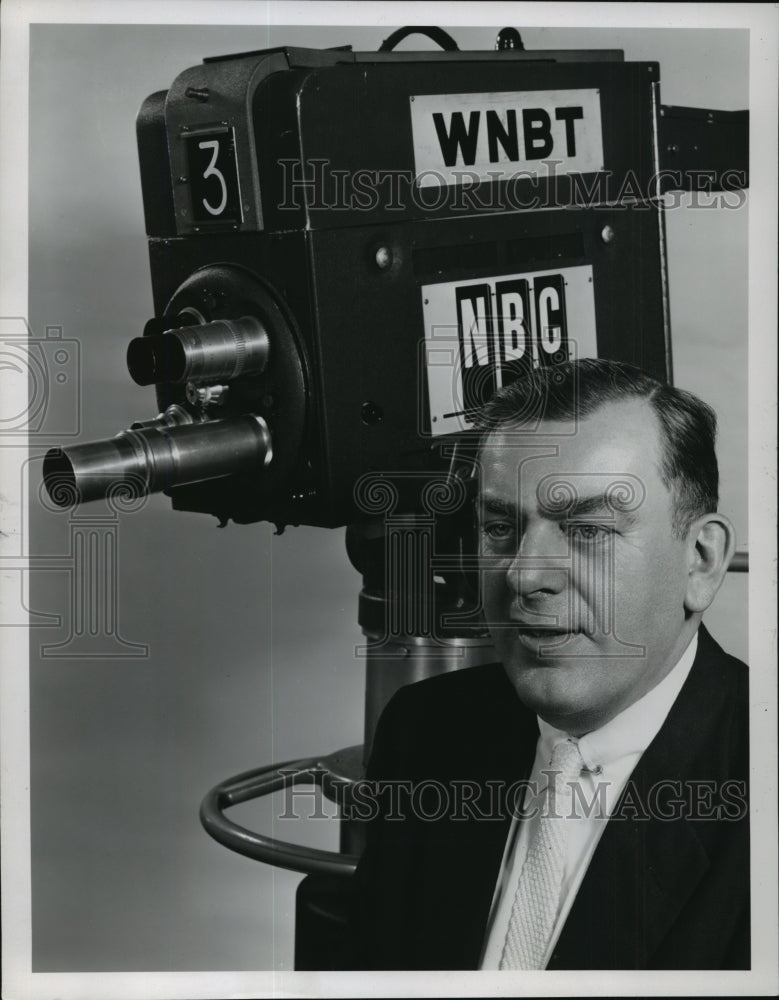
[590, 532]
[497, 531]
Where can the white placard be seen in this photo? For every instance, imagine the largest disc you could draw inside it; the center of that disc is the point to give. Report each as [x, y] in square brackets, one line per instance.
[482, 334]
[499, 136]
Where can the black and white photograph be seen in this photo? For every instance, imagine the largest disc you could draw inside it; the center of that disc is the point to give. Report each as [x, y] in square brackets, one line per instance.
[388, 499]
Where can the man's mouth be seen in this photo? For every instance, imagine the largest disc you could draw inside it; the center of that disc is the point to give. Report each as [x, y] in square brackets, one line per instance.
[542, 631]
[548, 632]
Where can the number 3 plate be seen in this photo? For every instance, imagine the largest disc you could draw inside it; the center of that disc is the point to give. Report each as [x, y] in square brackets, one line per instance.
[216, 195]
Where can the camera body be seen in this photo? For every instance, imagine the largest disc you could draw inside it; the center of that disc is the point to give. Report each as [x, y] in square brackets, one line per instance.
[411, 230]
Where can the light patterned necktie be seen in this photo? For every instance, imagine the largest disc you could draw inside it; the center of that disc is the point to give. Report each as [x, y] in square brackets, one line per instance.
[537, 898]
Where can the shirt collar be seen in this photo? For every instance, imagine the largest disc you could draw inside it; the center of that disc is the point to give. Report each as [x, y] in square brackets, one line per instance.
[634, 728]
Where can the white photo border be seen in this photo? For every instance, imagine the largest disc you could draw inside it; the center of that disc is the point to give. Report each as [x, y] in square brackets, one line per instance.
[18, 980]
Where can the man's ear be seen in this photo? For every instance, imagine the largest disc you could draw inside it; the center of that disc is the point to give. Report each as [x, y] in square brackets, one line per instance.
[711, 542]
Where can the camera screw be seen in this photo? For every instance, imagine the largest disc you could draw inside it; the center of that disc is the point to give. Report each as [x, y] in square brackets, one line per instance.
[206, 395]
[371, 413]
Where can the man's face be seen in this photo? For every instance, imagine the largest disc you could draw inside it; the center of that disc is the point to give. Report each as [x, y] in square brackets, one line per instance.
[583, 580]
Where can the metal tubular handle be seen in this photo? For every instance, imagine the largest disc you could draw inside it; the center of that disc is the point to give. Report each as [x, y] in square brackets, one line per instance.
[437, 35]
[253, 785]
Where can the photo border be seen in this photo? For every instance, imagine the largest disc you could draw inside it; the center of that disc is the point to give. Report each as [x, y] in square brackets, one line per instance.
[761, 19]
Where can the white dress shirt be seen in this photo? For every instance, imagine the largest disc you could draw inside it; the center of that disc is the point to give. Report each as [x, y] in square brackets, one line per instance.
[610, 754]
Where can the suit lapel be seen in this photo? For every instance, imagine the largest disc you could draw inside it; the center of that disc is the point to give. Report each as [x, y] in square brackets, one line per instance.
[463, 859]
[643, 871]
[645, 868]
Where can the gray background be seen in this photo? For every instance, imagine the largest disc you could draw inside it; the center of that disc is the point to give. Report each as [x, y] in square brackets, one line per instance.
[251, 637]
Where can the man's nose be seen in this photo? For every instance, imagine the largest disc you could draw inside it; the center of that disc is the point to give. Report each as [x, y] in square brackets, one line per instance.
[542, 562]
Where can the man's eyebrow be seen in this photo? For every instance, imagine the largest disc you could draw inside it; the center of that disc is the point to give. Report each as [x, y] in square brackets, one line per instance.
[598, 503]
[493, 505]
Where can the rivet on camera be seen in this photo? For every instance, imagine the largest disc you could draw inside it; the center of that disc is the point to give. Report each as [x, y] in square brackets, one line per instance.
[384, 258]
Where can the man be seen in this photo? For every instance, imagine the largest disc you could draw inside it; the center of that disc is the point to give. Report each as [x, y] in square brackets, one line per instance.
[582, 804]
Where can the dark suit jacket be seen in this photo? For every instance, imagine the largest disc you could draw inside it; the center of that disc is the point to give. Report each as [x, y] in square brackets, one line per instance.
[659, 893]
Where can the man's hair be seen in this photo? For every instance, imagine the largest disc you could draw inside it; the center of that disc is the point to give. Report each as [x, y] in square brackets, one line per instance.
[576, 389]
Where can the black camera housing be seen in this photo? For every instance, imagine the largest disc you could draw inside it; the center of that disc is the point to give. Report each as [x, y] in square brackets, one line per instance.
[289, 184]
